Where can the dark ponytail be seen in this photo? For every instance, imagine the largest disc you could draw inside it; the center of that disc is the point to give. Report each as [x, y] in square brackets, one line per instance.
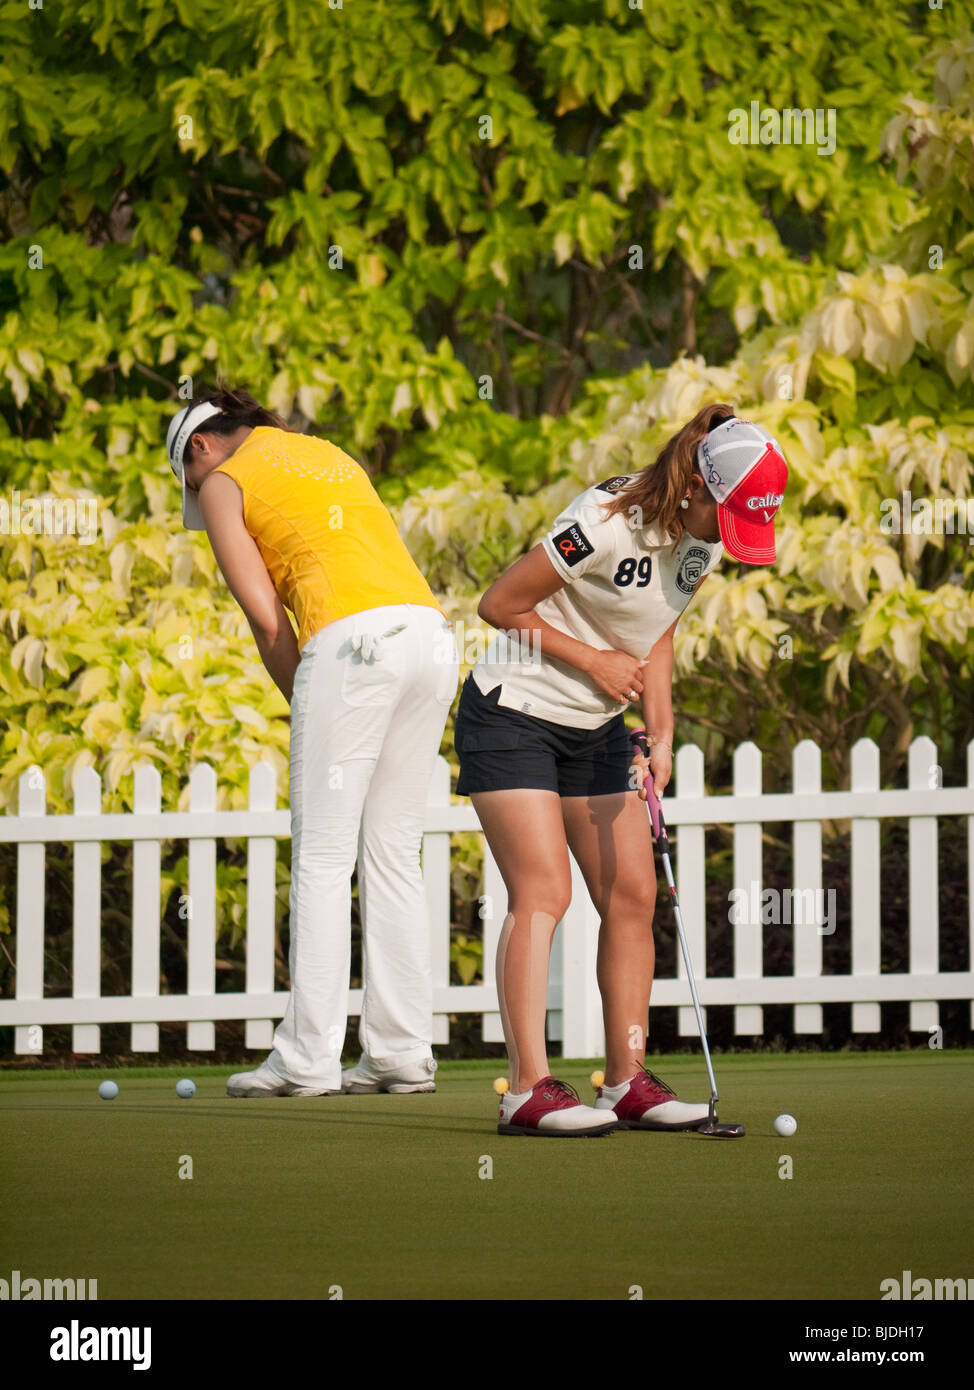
[237, 409]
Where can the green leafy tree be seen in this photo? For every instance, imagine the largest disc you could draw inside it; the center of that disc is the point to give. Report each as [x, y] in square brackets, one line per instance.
[496, 249]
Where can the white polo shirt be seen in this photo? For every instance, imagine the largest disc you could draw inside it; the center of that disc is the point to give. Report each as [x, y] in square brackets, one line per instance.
[624, 586]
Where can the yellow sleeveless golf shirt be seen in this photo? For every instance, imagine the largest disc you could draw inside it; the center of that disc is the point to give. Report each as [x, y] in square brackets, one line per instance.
[329, 544]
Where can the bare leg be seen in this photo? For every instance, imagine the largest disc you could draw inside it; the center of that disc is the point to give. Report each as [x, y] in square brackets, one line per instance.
[610, 838]
[526, 834]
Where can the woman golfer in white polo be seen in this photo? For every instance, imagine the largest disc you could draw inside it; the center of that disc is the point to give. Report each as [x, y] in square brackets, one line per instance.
[296, 524]
[545, 756]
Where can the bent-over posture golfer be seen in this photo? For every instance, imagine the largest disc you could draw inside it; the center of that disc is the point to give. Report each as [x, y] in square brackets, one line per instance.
[296, 524]
[545, 756]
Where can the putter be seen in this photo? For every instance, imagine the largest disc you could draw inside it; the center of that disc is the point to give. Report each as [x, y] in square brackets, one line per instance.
[711, 1127]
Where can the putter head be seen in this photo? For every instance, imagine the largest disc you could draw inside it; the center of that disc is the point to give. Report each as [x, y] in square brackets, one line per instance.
[713, 1129]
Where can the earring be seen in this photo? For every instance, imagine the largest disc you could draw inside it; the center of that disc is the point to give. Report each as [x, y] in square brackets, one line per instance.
[685, 503]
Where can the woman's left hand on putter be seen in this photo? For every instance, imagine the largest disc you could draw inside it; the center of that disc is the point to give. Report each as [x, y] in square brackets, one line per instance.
[659, 766]
[640, 770]
[661, 762]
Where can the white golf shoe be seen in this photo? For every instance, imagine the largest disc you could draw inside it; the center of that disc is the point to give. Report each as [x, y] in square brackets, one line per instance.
[367, 1079]
[264, 1082]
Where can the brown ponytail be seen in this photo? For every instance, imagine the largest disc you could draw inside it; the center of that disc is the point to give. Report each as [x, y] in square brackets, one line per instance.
[660, 488]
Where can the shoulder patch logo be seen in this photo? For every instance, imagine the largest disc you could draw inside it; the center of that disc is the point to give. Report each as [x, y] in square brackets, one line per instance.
[573, 545]
[612, 484]
[692, 566]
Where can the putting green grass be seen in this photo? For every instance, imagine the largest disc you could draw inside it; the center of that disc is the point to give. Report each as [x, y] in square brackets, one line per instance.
[382, 1195]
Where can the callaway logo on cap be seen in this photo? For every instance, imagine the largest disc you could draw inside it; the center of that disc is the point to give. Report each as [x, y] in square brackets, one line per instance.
[745, 470]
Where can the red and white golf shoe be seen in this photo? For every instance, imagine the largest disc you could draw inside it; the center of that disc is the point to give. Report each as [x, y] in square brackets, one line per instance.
[646, 1102]
[552, 1109]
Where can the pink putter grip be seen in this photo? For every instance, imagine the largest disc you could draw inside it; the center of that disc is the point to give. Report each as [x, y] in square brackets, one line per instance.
[652, 801]
[638, 737]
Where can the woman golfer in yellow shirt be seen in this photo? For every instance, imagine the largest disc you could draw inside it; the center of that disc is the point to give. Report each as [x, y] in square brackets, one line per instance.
[295, 524]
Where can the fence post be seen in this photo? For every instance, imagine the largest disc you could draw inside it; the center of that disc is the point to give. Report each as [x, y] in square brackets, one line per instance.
[261, 902]
[201, 1036]
[748, 952]
[691, 876]
[31, 801]
[866, 1018]
[582, 1033]
[145, 907]
[924, 774]
[86, 915]
[436, 881]
[970, 867]
[807, 877]
[495, 912]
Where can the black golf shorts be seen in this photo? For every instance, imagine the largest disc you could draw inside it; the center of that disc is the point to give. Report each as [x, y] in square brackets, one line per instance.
[502, 749]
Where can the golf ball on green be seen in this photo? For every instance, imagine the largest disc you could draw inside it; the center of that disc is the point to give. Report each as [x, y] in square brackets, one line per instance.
[108, 1090]
[785, 1125]
[186, 1089]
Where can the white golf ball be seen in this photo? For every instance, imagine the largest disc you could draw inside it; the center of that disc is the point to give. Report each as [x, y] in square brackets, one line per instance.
[186, 1089]
[108, 1090]
[785, 1125]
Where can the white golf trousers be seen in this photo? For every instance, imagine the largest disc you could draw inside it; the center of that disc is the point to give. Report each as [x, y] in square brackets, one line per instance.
[371, 697]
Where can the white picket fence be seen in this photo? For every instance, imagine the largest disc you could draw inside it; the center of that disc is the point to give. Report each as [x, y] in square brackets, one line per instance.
[573, 998]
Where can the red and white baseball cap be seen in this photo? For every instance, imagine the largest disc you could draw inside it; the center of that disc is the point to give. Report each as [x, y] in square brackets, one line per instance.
[745, 470]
